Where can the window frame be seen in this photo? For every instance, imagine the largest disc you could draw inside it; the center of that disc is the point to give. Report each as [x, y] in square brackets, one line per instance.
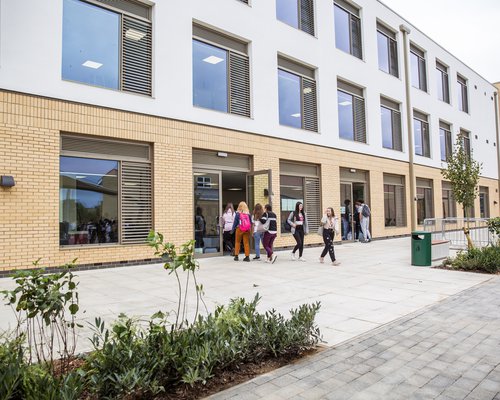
[465, 137]
[425, 139]
[448, 200]
[445, 128]
[463, 94]
[444, 87]
[397, 183]
[304, 7]
[392, 62]
[394, 109]
[421, 66]
[360, 133]
[354, 18]
[425, 191]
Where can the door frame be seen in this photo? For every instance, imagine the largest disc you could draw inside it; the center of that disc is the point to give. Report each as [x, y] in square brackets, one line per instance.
[269, 173]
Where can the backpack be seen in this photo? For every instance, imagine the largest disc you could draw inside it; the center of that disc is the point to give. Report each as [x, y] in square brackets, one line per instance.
[244, 222]
[365, 211]
[287, 226]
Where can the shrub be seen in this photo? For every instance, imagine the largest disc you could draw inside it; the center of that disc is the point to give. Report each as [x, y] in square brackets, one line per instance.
[486, 259]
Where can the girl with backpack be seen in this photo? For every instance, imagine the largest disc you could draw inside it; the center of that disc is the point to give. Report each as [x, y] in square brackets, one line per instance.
[242, 227]
[298, 221]
[270, 230]
[330, 226]
[258, 228]
[227, 226]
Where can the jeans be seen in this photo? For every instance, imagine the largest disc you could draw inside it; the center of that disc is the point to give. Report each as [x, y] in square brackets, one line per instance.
[346, 225]
[299, 238]
[365, 223]
[257, 236]
[268, 241]
[328, 235]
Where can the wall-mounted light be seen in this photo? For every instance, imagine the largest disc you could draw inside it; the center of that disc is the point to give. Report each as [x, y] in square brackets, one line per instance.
[266, 192]
[221, 154]
[7, 181]
[495, 202]
[353, 170]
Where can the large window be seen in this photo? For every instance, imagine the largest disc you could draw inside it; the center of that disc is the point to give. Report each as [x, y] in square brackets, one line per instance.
[108, 48]
[347, 28]
[297, 96]
[300, 182]
[105, 192]
[297, 13]
[221, 73]
[465, 137]
[484, 202]
[443, 83]
[351, 108]
[463, 97]
[449, 203]
[421, 134]
[394, 200]
[391, 124]
[418, 72]
[425, 203]
[445, 140]
[387, 50]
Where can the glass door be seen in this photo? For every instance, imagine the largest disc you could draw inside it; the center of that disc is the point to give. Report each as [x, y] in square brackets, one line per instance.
[259, 188]
[207, 206]
[346, 213]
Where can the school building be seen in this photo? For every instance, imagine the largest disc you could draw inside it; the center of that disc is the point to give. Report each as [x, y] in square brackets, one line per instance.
[122, 116]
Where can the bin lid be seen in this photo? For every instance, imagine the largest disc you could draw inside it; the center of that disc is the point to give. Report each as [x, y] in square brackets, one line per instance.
[421, 233]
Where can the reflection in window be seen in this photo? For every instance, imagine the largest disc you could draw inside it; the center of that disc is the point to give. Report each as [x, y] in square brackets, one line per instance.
[417, 65]
[445, 140]
[421, 135]
[449, 204]
[346, 115]
[209, 76]
[91, 41]
[351, 109]
[291, 191]
[463, 101]
[425, 207]
[443, 87]
[391, 128]
[288, 12]
[88, 201]
[387, 54]
[347, 31]
[289, 99]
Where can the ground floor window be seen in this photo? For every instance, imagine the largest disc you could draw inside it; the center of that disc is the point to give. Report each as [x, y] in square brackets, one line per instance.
[105, 192]
[484, 202]
[425, 204]
[449, 203]
[300, 182]
[394, 200]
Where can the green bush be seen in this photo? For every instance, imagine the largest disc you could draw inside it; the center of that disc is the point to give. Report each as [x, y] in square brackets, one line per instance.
[486, 259]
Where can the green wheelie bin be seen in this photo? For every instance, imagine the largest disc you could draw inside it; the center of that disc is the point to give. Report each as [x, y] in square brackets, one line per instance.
[421, 243]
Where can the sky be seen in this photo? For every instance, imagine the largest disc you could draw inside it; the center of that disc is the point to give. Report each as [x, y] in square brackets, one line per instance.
[467, 29]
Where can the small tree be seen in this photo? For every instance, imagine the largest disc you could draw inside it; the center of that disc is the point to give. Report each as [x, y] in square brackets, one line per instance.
[463, 173]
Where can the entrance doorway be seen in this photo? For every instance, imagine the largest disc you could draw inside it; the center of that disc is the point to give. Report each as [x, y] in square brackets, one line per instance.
[215, 184]
[353, 187]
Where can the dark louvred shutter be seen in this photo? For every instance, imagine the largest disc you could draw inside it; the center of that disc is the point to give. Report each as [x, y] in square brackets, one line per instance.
[396, 131]
[239, 76]
[421, 74]
[312, 204]
[359, 119]
[307, 16]
[136, 202]
[310, 107]
[356, 37]
[393, 58]
[137, 60]
[400, 206]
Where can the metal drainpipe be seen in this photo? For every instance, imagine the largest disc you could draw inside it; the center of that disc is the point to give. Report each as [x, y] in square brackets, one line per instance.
[409, 112]
[495, 95]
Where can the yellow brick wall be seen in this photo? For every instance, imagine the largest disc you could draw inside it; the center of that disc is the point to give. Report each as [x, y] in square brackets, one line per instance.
[30, 130]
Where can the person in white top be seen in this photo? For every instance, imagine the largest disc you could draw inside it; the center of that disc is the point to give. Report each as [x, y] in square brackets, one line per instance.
[227, 226]
[258, 228]
[330, 225]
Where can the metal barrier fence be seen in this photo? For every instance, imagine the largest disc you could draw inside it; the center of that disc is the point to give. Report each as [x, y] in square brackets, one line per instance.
[452, 229]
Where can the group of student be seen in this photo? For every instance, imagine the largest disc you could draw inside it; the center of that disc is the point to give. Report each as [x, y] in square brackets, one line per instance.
[261, 223]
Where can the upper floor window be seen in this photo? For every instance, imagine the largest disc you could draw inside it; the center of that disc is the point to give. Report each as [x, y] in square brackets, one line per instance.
[108, 47]
[221, 72]
[391, 124]
[297, 13]
[445, 140]
[387, 50]
[463, 98]
[443, 84]
[465, 137]
[297, 95]
[418, 73]
[347, 28]
[351, 107]
[421, 134]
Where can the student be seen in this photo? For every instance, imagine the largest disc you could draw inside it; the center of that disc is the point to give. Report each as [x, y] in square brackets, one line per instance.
[227, 226]
[242, 226]
[357, 224]
[329, 222]
[271, 229]
[364, 219]
[346, 220]
[199, 228]
[258, 228]
[298, 221]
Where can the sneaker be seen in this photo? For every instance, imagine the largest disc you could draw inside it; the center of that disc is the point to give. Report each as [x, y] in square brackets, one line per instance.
[293, 257]
[274, 259]
[256, 258]
[302, 259]
[336, 262]
[236, 258]
[247, 259]
[321, 260]
[268, 260]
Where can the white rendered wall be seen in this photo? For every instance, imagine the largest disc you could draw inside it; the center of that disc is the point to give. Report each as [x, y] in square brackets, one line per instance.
[30, 61]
